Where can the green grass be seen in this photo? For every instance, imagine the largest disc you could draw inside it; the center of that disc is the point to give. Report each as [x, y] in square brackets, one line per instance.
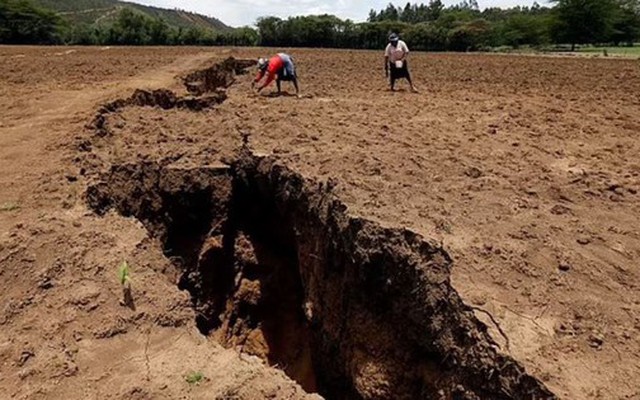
[612, 51]
[194, 378]
[9, 207]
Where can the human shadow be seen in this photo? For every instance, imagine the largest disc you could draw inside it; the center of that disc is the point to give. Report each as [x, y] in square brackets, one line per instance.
[281, 94]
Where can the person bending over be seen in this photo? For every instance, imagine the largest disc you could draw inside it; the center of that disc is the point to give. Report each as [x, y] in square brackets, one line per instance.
[279, 68]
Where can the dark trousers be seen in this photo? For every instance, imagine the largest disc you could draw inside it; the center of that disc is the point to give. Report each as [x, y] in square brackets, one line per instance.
[399, 73]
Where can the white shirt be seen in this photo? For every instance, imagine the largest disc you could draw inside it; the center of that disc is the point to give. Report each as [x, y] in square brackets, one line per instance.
[396, 53]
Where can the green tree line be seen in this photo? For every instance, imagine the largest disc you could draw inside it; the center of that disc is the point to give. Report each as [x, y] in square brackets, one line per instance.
[133, 28]
[430, 26]
[464, 27]
[23, 23]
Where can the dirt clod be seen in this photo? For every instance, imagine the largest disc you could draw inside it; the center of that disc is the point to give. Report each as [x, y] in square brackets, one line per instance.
[596, 341]
[584, 240]
[473, 172]
[564, 266]
[25, 356]
[559, 209]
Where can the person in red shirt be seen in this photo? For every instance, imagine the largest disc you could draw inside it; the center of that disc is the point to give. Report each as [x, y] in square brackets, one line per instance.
[279, 68]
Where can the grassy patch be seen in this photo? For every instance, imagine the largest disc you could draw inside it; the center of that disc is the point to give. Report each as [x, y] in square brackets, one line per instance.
[9, 207]
[612, 51]
[194, 378]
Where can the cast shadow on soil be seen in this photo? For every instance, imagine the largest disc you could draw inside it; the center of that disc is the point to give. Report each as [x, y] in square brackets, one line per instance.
[128, 301]
[281, 94]
[401, 91]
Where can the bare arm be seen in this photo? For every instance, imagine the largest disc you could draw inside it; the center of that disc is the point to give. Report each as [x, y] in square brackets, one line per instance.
[387, 51]
[271, 76]
[405, 53]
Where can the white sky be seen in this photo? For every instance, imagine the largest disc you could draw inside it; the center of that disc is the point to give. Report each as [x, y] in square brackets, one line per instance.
[246, 12]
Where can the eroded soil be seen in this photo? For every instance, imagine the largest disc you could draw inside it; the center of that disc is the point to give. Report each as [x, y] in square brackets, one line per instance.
[522, 168]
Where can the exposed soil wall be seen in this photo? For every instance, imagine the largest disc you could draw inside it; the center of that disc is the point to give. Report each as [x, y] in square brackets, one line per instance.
[205, 87]
[278, 268]
[221, 75]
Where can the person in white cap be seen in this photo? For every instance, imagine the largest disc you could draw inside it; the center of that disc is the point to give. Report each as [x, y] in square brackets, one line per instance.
[395, 62]
[279, 67]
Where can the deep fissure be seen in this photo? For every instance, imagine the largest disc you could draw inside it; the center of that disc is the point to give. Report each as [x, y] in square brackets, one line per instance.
[277, 268]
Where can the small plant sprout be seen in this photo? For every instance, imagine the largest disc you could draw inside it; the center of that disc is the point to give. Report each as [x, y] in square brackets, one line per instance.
[124, 276]
[194, 378]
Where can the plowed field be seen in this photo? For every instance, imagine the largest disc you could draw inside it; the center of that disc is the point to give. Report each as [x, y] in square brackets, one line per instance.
[352, 241]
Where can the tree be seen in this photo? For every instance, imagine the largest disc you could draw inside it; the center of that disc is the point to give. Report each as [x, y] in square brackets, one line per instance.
[521, 29]
[583, 21]
[626, 22]
[159, 31]
[426, 36]
[469, 36]
[82, 34]
[390, 13]
[195, 36]
[130, 28]
[467, 5]
[408, 14]
[373, 16]
[268, 28]
[434, 10]
[23, 23]
[245, 36]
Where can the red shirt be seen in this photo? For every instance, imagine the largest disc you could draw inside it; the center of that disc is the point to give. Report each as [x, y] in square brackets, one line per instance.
[275, 66]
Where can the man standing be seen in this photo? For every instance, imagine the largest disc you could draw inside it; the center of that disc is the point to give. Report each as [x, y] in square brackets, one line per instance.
[395, 59]
[279, 67]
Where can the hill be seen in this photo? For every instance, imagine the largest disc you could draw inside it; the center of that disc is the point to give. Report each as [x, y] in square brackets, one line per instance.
[103, 11]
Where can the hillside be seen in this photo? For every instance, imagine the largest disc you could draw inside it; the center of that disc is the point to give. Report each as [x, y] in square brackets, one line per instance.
[101, 11]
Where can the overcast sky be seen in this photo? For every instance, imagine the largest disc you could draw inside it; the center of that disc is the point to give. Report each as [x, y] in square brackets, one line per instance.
[245, 12]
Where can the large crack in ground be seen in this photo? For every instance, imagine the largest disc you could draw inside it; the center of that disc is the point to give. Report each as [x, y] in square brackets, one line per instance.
[206, 88]
[220, 75]
[278, 268]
